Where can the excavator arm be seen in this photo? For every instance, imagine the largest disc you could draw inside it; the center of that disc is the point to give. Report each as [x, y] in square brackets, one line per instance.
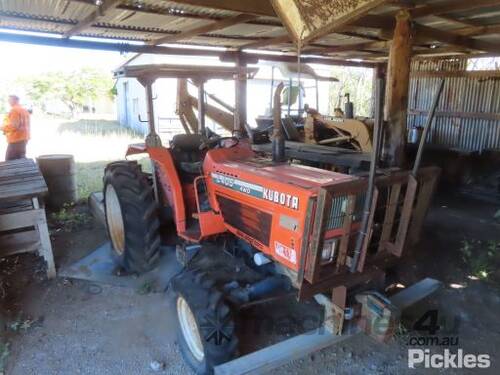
[355, 131]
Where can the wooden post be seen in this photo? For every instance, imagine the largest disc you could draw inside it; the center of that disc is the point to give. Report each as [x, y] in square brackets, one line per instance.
[240, 99]
[379, 72]
[396, 96]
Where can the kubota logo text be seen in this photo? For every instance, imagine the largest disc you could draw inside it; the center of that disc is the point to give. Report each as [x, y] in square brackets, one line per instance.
[258, 191]
[286, 200]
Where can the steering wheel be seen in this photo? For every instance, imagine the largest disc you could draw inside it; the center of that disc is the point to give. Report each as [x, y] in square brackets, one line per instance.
[218, 142]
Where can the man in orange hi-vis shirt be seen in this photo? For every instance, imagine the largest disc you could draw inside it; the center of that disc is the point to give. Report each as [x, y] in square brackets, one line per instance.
[16, 128]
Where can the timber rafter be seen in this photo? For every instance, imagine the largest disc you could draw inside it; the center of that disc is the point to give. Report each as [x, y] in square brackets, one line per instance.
[440, 27]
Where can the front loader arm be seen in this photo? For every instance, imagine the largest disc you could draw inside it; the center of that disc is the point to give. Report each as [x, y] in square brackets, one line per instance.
[184, 109]
[186, 103]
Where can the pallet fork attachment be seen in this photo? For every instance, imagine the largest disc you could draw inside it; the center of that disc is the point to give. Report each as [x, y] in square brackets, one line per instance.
[310, 342]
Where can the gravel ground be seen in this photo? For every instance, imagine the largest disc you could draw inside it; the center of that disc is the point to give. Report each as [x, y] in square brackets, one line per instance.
[93, 329]
[84, 328]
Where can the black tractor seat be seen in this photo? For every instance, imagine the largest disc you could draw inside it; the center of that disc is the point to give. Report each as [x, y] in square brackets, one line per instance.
[187, 155]
[187, 142]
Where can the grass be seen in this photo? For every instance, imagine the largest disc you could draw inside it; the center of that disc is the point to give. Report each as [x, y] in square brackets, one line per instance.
[4, 354]
[89, 178]
[147, 287]
[16, 326]
[69, 218]
[97, 128]
[20, 325]
[482, 258]
[401, 333]
[94, 143]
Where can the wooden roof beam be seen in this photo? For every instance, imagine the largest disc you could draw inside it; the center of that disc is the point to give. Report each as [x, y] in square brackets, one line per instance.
[128, 47]
[92, 17]
[376, 22]
[455, 39]
[449, 7]
[462, 23]
[266, 42]
[306, 21]
[151, 8]
[213, 26]
[440, 51]
[478, 30]
[351, 47]
[255, 7]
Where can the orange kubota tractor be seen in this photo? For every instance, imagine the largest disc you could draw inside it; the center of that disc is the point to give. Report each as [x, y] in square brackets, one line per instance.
[249, 227]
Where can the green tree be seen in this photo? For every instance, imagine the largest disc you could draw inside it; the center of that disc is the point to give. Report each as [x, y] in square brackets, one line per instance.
[75, 89]
[357, 82]
[39, 88]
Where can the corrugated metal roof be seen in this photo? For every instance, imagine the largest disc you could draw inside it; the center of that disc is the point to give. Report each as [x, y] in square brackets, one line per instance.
[202, 11]
[33, 25]
[146, 20]
[63, 9]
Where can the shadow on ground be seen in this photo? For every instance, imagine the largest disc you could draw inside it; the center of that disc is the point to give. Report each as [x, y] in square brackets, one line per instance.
[66, 326]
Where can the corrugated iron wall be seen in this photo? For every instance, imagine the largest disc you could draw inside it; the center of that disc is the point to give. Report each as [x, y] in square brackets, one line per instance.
[468, 115]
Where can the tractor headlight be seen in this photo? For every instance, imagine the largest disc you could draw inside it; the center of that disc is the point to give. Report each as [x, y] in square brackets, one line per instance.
[329, 250]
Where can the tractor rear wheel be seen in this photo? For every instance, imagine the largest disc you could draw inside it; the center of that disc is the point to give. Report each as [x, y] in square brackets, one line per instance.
[205, 326]
[131, 216]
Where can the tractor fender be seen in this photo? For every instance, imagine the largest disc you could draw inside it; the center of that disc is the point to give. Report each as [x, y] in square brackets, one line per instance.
[136, 148]
[170, 183]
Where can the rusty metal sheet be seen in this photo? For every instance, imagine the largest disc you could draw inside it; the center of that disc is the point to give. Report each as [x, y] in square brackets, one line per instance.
[456, 126]
[306, 20]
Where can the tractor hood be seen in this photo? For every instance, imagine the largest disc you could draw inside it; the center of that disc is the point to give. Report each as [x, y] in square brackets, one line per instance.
[291, 174]
[240, 171]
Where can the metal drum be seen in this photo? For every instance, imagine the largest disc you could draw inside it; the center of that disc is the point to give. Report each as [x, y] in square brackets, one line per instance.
[59, 174]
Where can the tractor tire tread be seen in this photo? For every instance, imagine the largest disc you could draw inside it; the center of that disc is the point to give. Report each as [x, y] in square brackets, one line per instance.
[139, 213]
[207, 305]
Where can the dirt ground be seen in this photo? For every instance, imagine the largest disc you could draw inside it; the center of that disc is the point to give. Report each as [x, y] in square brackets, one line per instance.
[77, 327]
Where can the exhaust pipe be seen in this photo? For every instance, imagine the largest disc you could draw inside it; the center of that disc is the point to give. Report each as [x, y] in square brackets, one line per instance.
[278, 144]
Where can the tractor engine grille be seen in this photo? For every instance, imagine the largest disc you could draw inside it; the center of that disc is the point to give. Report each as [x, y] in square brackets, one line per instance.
[335, 219]
[251, 221]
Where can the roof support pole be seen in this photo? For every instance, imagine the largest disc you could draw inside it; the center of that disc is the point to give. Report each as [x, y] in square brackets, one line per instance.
[396, 95]
[201, 108]
[152, 139]
[379, 72]
[240, 99]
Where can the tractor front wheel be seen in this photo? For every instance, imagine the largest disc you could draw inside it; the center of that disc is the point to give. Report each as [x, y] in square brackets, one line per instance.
[205, 326]
[131, 216]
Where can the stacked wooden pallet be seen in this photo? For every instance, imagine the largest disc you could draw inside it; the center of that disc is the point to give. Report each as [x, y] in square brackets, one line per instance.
[23, 223]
